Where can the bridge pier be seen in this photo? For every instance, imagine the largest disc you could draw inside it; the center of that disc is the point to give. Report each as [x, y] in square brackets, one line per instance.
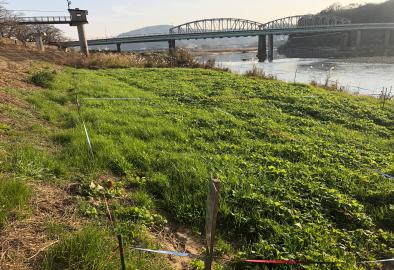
[78, 19]
[387, 39]
[347, 40]
[262, 48]
[172, 47]
[119, 47]
[83, 42]
[358, 39]
[270, 47]
[39, 42]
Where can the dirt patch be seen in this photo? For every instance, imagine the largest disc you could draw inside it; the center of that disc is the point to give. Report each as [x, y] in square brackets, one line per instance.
[179, 239]
[23, 241]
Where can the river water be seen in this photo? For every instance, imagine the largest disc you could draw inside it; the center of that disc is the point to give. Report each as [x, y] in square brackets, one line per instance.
[357, 78]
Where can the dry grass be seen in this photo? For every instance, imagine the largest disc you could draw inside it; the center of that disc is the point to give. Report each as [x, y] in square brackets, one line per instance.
[22, 242]
[115, 60]
[256, 72]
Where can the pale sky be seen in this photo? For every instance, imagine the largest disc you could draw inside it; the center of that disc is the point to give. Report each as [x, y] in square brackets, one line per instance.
[110, 18]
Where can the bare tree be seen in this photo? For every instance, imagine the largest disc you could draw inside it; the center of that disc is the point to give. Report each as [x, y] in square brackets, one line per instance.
[9, 27]
[51, 34]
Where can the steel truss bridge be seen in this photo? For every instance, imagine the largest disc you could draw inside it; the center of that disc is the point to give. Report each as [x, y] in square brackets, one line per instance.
[232, 27]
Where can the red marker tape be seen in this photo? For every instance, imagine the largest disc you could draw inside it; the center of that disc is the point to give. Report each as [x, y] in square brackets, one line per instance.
[275, 261]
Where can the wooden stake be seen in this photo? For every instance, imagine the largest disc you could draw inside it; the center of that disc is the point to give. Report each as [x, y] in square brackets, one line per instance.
[211, 219]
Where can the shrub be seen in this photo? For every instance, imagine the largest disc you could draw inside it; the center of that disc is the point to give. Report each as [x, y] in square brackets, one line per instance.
[43, 78]
[259, 73]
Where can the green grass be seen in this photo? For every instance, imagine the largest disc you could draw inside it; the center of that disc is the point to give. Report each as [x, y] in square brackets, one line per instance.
[296, 162]
[92, 249]
[14, 196]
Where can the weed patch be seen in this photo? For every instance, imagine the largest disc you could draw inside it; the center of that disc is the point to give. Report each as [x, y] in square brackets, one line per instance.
[14, 196]
[43, 78]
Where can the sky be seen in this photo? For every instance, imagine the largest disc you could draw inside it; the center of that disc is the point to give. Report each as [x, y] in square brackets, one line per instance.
[110, 18]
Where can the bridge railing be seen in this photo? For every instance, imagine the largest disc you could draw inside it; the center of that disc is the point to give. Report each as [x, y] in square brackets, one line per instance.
[43, 20]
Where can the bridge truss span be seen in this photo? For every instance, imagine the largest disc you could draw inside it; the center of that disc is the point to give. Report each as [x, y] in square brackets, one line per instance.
[305, 21]
[216, 25]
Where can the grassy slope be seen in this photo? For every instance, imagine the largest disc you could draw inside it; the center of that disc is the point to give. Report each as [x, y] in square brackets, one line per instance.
[29, 220]
[296, 162]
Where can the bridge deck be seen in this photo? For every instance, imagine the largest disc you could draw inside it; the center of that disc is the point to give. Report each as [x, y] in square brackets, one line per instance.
[45, 20]
[229, 34]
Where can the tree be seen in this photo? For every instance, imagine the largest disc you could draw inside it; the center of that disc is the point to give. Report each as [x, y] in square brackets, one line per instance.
[332, 9]
[50, 33]
[26, 33]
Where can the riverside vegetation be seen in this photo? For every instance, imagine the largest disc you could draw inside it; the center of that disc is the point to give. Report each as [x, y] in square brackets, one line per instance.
[297, 163]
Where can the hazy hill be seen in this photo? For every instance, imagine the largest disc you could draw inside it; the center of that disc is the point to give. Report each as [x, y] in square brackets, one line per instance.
[368, 13]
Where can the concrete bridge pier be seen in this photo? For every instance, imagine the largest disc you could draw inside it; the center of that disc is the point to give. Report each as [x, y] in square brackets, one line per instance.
[78, 19]
[262, 48]
[39, 42]
[358, 38]
[119, 47]
[387, 39]
[347, 40]
[172, 47]
[83, 42]
[270, 47]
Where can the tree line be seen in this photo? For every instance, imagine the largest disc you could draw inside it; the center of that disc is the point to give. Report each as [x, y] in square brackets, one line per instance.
[303, 45]
[9, 28]
[367, 13]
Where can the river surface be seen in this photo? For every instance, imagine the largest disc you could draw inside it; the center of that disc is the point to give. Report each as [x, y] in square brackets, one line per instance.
[357, 78]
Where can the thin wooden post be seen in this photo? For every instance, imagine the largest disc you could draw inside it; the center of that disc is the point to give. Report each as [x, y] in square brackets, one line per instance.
[121, 252]
[211, 219]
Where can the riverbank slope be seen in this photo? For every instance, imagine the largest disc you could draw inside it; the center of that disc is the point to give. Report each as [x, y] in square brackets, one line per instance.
[298, 166]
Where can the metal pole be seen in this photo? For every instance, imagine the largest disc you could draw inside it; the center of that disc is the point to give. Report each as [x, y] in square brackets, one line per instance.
[121, 251]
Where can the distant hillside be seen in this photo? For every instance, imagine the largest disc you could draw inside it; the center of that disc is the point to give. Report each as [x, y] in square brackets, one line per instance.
[368, 13]
[191, 44]
[372, 42]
